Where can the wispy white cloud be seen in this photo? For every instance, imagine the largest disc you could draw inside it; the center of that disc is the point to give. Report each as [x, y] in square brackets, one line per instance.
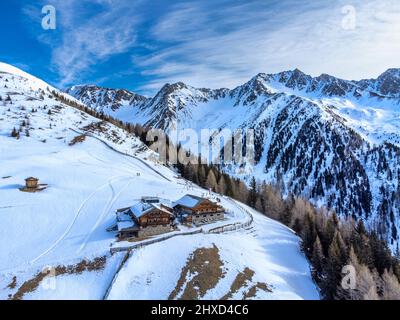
[222, 43]
[224, 46]
[88, 36]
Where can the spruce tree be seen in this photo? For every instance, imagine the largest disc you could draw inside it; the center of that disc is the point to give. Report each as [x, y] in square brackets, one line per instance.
[308, 234]
[334, 265]
[361, 227]
[221, 188]
[390, 286]
[253, 193]
[365, 282]
[259, 206]
[201, 175]
[211, 182]
[329, 232]
[317, 261]
[241, 192]
[342, 247]
[381, 257]
[229, 186]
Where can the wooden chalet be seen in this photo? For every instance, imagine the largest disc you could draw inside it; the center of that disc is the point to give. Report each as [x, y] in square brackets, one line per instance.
[31, 182]
[150, 216]
[197, 210]
[32, 185]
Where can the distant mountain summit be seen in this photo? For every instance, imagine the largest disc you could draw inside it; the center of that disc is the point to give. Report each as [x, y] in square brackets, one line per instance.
[173, 98]
[387, 84]
[89, 167]
[104, 98]
[331, 140]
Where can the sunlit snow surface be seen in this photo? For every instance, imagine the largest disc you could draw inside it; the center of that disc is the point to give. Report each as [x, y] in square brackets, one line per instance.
[87, 182]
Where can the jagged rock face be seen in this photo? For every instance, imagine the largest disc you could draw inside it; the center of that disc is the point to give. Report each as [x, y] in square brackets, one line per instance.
[102, 99]
[318, 159]
[331, 86]
[172, 101]
[333, 141]
[294, 79]
[387, 84]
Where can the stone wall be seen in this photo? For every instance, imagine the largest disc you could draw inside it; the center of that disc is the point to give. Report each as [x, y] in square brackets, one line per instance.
[204, 218]
[154, 230]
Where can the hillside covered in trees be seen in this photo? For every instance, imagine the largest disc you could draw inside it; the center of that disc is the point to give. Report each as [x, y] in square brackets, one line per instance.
[329, 242]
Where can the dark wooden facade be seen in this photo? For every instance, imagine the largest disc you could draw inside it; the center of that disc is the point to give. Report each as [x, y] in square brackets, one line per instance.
[204, 206]
[31, 182]
[151, 216]
[204, 210]
[155, 217]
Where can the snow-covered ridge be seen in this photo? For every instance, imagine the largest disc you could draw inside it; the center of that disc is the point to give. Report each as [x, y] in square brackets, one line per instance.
[88, 179]
[370, 107]
[34, 82]
[314, 136]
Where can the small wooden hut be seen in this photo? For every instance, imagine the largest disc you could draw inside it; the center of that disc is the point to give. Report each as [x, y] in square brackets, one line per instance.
[31, 183]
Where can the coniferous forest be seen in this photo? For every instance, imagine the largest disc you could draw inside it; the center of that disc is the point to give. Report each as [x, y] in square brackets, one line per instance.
[329, 242]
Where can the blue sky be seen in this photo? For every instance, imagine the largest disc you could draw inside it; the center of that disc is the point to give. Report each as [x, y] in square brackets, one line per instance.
[141, 45]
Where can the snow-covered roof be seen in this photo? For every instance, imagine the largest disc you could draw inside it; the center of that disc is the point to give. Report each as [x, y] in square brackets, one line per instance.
[123, 225]
[141, 207]
[189, 201]
[151, 199]
[31, 179]
[123, 215]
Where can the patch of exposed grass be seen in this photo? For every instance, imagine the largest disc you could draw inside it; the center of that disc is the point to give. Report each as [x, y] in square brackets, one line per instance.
[242, 280]
[32, 284]
[204, 268]
[251, 293]
[77, 139]
[13, 283]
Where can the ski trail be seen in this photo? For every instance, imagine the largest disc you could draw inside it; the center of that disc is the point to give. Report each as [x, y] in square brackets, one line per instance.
[106, 210]
[104, 163]
[72, 223]
[141, 161]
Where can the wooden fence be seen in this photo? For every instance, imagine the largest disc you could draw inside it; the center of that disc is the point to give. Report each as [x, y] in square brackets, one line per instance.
[237, 225]
[149, 242]
[222, 229]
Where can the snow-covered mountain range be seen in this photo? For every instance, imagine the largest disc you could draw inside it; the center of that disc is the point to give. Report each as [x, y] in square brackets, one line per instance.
[91, 168]
[330, 140]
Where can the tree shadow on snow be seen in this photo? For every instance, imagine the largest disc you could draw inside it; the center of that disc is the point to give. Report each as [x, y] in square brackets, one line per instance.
[11, 186]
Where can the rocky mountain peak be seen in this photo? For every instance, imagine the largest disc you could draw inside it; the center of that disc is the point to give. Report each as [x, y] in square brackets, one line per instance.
[100, 98]
[388, 83]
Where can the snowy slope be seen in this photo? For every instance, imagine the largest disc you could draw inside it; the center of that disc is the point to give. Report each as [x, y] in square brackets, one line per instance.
[29, 80]
[114, 102]
[268, 249]
[64, 226]
[370, 107]
[333, 141]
